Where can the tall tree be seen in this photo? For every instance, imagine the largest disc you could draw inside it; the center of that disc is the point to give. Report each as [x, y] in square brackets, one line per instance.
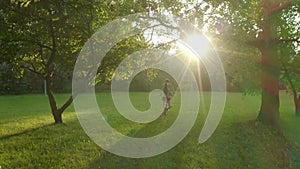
[256, 22]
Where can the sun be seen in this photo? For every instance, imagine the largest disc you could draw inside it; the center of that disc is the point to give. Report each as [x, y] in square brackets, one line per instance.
[194, 46]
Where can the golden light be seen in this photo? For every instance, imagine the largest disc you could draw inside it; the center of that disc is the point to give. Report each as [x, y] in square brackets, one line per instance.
[194, 46]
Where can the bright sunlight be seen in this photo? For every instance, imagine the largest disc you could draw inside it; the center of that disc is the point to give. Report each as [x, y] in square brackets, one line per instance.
[195, 45]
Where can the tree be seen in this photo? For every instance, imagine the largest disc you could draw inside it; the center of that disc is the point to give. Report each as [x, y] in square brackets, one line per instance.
[290, 74]
[45, 37]
[256, 22]
[289, 54]
[291, 77]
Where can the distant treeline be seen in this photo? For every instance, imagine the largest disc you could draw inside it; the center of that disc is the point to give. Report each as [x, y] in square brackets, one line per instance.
[29, 83]
[14, 81]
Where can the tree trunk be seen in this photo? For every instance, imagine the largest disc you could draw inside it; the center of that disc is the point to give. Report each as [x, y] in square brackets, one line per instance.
[269, 111]
[56, 114]
[297, 104]
[57, 117]
[295, 94]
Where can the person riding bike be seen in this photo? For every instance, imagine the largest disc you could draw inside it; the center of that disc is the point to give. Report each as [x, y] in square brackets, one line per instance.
[167, 95]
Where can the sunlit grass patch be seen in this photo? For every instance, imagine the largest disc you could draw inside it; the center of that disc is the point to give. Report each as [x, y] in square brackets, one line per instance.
[28, 138]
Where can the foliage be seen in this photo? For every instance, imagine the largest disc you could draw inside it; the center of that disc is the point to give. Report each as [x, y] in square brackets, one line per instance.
[290, 63]
[238, 26]
[45, 37]
[290, 52]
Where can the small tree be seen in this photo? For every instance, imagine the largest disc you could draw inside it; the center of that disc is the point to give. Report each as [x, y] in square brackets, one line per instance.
[290, 75]
[45, 37]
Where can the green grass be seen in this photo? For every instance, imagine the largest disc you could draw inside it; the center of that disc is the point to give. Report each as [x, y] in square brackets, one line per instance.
[29, 140]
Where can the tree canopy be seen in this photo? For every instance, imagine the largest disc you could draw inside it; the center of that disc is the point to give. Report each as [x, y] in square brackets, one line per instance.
[252, 37]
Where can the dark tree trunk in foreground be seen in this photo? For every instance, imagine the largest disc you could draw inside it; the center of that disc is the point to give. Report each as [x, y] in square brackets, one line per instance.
[269, 111]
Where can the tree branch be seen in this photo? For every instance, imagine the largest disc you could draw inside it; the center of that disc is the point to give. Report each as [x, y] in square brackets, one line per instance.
[151, 35]
[67, 104]
[43, 45]
[273, 8]
[287, 40]
[42, 56]
[162, 23]
[31, 70]
[53, 51]
[29, 41]
[258, 41]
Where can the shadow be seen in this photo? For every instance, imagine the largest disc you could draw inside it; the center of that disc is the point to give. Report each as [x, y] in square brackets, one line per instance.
[24, 132]
[166, 160]
[48, 146]
[238, 142]
[251, 144]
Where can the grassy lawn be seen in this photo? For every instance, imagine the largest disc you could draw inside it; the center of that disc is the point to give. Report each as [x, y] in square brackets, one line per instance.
[29, 140]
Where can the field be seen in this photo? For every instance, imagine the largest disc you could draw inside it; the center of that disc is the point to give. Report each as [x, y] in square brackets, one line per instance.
[28, 139]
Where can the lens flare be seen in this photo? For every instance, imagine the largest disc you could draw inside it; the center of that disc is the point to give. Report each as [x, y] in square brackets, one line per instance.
[195, 45]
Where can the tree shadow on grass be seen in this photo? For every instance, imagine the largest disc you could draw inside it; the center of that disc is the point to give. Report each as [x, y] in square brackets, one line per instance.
[166, 160]
[247, 144]
[251, 144]
[48, 146]
[24, 132]
[161, 161]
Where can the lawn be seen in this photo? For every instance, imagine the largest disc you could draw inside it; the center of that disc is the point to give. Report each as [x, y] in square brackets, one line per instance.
[28, 139]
